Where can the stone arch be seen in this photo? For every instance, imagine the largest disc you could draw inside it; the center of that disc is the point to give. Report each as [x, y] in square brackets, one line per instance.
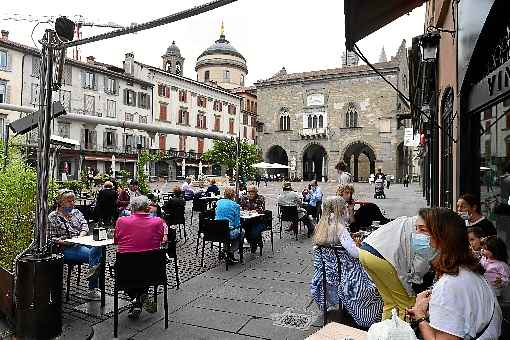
[277, 154]
[355, 149]
[315, 162]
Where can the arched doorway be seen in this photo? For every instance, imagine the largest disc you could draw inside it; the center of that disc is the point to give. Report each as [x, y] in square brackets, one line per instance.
[360, 158]
[315, 163]
[276, 154]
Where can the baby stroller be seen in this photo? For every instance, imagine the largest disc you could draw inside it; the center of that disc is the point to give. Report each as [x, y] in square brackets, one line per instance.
[379, 189]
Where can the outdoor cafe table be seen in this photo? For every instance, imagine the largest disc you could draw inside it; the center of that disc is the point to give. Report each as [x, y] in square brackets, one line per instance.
[89, 241]
[333, 331]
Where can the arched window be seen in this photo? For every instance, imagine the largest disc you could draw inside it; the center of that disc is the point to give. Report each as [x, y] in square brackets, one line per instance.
[321, 122]
[284, 120]
[351, 117]
[310, 121]
[315, 122]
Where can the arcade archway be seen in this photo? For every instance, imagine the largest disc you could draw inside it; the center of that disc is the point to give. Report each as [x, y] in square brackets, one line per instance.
[315, 163]
[276, 154]
[360, 159]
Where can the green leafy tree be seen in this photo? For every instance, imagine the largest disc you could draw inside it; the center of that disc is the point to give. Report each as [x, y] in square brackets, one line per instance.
[224, 153]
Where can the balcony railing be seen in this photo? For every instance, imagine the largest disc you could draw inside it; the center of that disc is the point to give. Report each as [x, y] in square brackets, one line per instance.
[172, 153]
[314, 133]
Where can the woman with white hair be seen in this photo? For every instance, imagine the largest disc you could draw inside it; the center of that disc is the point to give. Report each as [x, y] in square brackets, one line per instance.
[139, 232]
[336, 256]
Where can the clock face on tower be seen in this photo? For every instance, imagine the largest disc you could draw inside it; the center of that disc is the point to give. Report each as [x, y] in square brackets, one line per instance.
[316, 99]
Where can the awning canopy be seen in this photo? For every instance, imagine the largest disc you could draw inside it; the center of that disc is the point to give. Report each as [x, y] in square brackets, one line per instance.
[363, 17]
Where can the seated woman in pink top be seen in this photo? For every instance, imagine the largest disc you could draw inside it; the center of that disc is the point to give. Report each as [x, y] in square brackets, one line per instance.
[139, 232]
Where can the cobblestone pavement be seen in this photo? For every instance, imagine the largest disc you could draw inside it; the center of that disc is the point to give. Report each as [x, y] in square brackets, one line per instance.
[247, 301]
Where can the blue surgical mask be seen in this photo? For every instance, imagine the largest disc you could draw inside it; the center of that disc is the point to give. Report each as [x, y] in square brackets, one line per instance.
[68, 210]
[420, 243]
[464, 215]
[153, 214]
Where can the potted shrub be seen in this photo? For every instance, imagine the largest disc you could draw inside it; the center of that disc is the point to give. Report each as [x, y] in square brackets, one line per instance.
[18, 190]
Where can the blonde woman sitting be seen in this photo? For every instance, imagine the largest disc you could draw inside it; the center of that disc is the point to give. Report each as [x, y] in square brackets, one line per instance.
[347, 283]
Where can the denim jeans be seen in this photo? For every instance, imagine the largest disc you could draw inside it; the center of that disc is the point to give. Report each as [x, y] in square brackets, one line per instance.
[84, 254]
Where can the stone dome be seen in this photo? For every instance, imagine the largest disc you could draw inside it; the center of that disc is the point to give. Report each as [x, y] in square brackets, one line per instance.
[173, 50]
[222, 46]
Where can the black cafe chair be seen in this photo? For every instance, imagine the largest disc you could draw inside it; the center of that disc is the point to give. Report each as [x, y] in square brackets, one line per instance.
[216, 231]
[320, 249]
[202, 218]
[289, 214]
[171, 252]
[199, 205]
[268, 226]
[137, 270]
[70, 266]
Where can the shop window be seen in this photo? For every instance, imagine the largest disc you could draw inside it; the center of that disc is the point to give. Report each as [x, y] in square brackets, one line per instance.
[506, 102]
[487, 114]
[507, 119]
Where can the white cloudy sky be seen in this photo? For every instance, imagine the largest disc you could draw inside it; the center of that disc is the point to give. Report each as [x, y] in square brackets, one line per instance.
[298, 34]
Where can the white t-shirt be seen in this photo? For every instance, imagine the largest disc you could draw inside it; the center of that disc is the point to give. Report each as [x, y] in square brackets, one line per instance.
[348, 243]
[344, 177]
[462, 305]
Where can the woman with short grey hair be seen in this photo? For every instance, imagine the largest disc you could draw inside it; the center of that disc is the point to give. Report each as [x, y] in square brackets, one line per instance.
[140, 203]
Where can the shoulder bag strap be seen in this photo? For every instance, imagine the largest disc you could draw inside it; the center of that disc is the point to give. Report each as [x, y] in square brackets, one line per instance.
[479, 334]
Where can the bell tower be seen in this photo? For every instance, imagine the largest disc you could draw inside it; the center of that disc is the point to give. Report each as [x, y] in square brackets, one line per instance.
[173, 62]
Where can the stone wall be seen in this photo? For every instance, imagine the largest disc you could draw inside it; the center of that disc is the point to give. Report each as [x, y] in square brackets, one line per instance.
[376, 104]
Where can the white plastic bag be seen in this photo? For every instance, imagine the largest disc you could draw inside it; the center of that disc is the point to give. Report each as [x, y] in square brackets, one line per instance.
[392, 329]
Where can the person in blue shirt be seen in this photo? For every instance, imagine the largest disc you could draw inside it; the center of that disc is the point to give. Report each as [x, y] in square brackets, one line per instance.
[228, 209]
[314, 199]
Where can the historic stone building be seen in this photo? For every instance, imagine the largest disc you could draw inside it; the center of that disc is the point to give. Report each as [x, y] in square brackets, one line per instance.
[312, 120]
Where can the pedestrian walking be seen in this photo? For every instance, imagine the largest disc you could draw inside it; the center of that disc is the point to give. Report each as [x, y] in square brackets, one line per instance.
[406, 181]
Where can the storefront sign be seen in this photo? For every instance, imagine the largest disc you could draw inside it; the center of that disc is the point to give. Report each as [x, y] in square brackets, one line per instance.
[491, 89]
[410, 139]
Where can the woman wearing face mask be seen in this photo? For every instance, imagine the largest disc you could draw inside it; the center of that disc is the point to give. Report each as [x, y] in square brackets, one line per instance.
[397, 255]
[461, 305]
[468, 208]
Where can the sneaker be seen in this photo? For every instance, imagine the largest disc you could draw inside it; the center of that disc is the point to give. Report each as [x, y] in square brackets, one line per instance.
[94, 295]
[93, 271]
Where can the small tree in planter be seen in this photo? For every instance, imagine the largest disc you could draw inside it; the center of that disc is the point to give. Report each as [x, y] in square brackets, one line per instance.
[18, 190]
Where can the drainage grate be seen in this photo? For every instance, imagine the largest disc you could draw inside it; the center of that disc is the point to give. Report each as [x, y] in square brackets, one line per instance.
[293, 320]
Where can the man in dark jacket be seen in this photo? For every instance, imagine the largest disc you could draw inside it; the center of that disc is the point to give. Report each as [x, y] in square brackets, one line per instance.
[106, 204]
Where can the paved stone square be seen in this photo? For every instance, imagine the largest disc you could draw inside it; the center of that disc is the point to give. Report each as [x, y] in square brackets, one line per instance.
[244, 302]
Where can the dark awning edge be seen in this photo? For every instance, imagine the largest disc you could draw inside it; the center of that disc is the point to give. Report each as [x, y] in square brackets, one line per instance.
[363, 17]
